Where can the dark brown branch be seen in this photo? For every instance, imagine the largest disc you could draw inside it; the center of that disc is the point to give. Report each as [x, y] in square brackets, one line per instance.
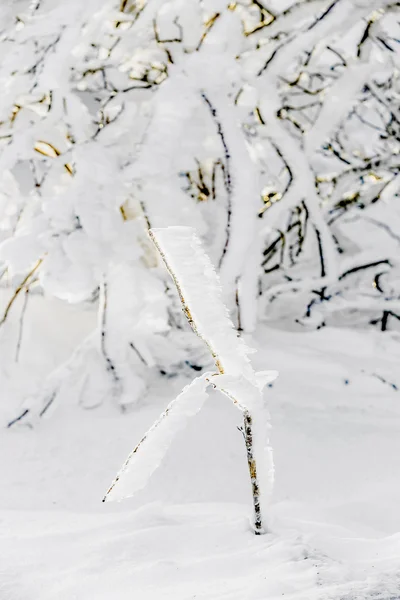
[227, 173]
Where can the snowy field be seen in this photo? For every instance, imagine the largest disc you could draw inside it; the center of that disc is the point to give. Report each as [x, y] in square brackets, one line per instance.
[334, 519]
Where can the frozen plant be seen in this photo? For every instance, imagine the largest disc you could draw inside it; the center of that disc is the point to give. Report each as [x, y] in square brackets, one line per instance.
[200, 294]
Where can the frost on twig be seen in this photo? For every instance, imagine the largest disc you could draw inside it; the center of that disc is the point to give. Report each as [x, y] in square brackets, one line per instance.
[147, 455]
[200, 294]
[201, 297]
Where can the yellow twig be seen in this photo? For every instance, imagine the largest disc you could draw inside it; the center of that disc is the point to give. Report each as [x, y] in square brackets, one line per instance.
[18, 290]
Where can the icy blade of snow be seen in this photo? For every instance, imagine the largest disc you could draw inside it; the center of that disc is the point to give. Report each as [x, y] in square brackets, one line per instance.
[147, 456]
[200, 292]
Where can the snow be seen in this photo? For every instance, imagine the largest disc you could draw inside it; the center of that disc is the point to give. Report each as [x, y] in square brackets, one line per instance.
[334, 516]
[343, 94]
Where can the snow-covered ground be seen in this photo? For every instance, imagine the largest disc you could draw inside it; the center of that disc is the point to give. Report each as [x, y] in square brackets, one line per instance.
[335, 517]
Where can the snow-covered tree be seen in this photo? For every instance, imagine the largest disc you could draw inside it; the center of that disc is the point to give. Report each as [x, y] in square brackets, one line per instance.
[271, 126]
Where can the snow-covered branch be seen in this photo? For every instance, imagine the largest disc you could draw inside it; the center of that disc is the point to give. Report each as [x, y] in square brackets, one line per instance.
[200, 294]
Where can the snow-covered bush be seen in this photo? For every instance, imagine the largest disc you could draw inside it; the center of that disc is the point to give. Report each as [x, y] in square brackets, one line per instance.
[200, 294]
[272, 127]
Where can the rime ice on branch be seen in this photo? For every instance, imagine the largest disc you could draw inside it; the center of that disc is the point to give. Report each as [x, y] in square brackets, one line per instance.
[200, 294]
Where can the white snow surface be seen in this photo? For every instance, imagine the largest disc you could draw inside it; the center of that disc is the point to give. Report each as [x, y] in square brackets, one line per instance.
[334, 517]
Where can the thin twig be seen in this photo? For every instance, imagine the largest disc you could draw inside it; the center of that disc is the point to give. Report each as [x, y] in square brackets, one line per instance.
[19, 290]
[21, 324]
[227, 173]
